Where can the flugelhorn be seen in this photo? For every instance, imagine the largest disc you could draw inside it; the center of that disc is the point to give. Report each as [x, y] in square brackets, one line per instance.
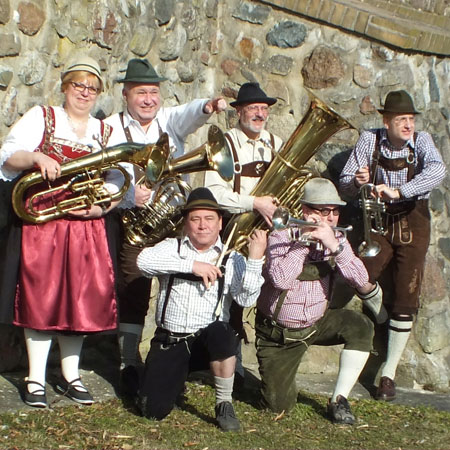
[81, 184]
[281, 219]
[372, 209]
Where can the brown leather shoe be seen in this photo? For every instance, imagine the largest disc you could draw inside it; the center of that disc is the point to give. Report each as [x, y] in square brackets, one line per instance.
[386, 390]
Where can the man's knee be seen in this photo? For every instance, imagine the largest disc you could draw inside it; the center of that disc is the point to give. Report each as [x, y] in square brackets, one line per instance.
[153, 410]
[360, 332]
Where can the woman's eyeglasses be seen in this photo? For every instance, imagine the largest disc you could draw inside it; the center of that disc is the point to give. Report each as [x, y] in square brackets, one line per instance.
[80, 87]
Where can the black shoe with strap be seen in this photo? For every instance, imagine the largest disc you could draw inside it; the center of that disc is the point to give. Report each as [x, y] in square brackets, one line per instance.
[36, 398]
[386, 390]
[129, 381]
[75, 391]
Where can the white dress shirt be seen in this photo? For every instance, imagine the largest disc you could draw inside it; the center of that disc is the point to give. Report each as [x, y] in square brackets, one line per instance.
[191, 306]
[248, 151]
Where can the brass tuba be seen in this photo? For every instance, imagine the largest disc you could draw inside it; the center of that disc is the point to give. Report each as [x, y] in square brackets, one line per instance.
[85, 180]
[287, 173]
[162, 215]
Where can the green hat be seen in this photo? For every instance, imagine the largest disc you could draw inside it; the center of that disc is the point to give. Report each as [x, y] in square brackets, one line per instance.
[321, 191]
[141, 71]
[201, 198]
[399, 102]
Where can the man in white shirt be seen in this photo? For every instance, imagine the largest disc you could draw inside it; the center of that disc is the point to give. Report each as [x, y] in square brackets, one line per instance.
[143, 121]
[252, 147]
[192, 310]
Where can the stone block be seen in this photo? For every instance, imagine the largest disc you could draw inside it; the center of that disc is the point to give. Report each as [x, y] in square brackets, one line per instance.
[141, 41]
[9, 45]
[5, 11]
[287, 34]
[251, 12]
[31, 18]
[433, 329]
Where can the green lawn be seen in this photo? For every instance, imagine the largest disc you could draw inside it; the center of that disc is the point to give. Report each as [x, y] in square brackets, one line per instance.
[115, 425]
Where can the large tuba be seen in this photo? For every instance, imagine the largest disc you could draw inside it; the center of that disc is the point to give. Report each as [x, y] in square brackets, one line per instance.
[161, 216]
[83, 184]
[287, 173]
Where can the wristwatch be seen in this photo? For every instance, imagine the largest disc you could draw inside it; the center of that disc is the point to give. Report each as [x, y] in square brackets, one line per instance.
[338, 251]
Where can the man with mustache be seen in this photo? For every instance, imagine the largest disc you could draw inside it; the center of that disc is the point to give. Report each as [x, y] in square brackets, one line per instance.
[252, 147]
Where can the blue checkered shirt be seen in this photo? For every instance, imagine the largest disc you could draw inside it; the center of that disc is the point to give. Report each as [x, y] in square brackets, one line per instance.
[429, 167]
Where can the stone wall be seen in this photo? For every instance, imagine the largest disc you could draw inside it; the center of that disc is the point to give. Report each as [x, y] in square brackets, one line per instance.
[211, 47]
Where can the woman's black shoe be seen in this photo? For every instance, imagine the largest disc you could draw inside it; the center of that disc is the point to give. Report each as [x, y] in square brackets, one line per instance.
[37, 398]
[76, 393]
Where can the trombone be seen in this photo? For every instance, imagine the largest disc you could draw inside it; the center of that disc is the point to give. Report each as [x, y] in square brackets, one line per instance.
[282, 219]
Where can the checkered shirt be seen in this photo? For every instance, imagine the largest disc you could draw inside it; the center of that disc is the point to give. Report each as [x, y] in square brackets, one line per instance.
[191, 306]
[306, 301]
[429, 168]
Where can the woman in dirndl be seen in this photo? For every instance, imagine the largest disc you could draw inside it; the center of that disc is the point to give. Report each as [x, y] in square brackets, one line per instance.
[65, 279]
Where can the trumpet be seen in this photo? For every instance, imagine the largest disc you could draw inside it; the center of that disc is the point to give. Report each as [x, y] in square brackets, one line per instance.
[282, 219]
[372, 208]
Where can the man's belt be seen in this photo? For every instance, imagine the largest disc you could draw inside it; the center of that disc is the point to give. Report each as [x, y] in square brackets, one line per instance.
[175, 338]
[271, 330]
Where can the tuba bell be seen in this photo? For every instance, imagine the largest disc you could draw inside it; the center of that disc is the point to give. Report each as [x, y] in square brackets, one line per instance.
[83, 185]
[161, 216]
[287, 174]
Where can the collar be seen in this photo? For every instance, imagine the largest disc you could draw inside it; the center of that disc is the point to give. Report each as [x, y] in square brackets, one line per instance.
[217, 246]
[242, 138]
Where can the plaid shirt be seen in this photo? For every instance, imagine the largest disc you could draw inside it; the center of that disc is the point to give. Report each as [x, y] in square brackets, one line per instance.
[306, 301]
[429, 168]
[190, 306]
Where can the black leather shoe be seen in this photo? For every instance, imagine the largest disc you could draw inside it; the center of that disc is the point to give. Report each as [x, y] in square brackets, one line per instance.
[75, 391]
[386, 390]
[37, 398]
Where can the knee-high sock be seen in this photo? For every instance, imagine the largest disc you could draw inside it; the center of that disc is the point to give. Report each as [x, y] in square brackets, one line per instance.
[224, 389]
[351, 364]
[38, 346]
[130, 335]
[70, 349]
[399, 331]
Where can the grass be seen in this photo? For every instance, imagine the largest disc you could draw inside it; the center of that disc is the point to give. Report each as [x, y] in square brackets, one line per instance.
[116, 425]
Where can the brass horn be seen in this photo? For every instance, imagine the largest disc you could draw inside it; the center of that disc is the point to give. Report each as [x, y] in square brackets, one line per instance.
[287, 173]
[161, 217]
[372, 209]
[85, 180]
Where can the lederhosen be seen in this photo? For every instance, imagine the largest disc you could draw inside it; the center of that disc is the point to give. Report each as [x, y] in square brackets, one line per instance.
[407, 238]
[134, 289]
[255, 169]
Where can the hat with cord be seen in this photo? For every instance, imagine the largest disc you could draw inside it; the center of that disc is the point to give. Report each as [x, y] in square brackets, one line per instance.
[201, 198]
[320, 191]
[252, 93]
[141, 71]
[83, 63]
[399, 102]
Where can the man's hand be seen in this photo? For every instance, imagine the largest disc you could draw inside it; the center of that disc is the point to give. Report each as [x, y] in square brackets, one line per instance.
[266, 206]
[387, 193]
[322, 233]
[141, 195]
[216, 105]
[208, 272]
[362, 176]
[257, 243]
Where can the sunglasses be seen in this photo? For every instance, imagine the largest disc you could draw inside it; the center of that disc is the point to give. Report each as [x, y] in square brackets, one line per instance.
[325, 212]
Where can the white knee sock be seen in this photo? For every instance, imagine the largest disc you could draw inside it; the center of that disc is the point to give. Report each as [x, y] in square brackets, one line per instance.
[224, 389]
[398, 335]
[38, 346]
[130, 335]
[351, 364]
[70, 349]
[374, 302]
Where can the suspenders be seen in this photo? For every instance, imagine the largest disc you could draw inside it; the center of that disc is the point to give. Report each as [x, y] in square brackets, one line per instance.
[192, 277]
[254, 169]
